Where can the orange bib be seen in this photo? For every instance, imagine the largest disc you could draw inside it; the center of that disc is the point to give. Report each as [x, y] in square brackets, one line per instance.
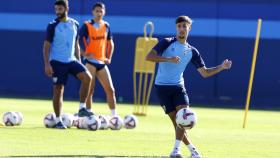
[97, 41]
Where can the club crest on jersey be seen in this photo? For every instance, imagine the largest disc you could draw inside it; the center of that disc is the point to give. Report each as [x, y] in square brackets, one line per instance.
[185, 51]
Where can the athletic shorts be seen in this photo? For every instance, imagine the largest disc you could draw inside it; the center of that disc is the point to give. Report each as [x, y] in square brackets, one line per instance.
[171, 96]
[61, 71]
[96, 65]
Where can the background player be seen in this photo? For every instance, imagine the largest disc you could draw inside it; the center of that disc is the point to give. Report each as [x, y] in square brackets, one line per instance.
[62, 57]
[97, 47]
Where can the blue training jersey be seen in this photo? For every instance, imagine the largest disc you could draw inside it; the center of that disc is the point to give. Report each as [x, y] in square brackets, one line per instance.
[169, 73]
[62, 36]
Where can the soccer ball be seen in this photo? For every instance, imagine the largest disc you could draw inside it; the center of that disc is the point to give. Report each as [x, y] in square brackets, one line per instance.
[10, 118]
[81, 122]
[186, 118]
[67, 119]
[75, 120]
[93, 123]
[104, 122]
[49, 120]
[116, 122]
[20, 118]
[130, 121]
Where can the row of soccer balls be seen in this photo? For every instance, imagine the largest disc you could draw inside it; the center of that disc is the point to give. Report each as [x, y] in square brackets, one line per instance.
[185, 118]
[12, 118]
[93, 122]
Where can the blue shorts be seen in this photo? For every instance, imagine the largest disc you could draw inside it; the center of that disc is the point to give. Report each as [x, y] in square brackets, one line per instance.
[61, 71]
[171, 96]
[96, 65]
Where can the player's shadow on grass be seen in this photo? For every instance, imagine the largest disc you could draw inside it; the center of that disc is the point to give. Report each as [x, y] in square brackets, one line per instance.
[91, 156]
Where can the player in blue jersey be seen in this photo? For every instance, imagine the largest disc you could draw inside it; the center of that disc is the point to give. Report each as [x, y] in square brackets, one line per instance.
[62, 57]
[173, 55]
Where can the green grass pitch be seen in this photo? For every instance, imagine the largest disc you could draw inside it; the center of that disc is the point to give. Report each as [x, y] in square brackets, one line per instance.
[218, 134]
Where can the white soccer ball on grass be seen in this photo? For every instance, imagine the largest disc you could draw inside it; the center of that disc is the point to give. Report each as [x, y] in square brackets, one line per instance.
[49, 120]
[10, 118]
[116, 122]
[104, 122]
[130, 121]
[67, 119]
[93, 123]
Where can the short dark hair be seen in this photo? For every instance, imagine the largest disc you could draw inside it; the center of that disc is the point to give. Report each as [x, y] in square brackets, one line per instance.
[98, 4]
[62, 2]
[184, 18]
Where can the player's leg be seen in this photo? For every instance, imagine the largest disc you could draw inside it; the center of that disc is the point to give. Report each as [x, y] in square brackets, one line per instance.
[179, 132]
[81, 72]
[172, 116]
[105, 79]
[85, 78]
[92, 69]
[58, 91]
[59, 78]
[165, 94]
[181, 99]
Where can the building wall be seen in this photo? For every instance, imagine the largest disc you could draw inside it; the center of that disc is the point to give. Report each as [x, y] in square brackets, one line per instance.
[221, 29]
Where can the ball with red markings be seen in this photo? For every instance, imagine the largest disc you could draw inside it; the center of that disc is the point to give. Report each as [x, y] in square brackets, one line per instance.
[116, 122]
[186, 118]
[130, 121]
[82, 123]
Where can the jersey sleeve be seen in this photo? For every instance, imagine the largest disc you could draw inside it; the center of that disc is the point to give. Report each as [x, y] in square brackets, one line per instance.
[83, 34]
[77, 27]
[161, 46]
[50, 32]
[197, 59]
[109, 33]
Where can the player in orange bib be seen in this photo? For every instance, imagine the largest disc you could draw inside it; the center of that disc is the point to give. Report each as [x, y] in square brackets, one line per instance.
[97, 47]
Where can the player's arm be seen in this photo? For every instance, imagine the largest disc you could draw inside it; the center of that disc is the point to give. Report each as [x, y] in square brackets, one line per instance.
[110, 51]
[207, 72]
[110, 46]
[203, 70]
[154, 57]
[46, 55]
[83, 35]
[46, 49]
[77, 51]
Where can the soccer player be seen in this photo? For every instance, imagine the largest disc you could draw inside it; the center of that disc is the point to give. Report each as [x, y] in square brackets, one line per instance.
[62, 57]
[173, 55]
[97, 47]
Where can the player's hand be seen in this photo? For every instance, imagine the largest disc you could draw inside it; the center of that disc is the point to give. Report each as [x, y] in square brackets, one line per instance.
[48, 70]
[107, 61]
[226, 64]
[175, 59]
